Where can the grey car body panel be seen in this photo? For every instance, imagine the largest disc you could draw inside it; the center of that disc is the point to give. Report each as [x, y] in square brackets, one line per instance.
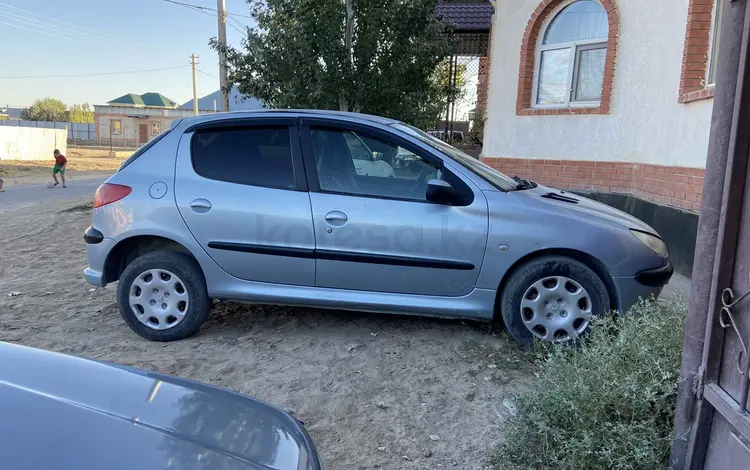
[66, 412]
[629, 290]
[434, 233]
[523, 222]
[240, 215]
[97, 255]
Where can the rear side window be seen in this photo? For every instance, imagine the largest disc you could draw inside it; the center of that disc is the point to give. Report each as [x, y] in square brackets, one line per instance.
[250, 156]
[143, 149]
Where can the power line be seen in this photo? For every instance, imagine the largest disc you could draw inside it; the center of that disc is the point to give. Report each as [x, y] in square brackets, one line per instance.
[240, 25]
[240, 15]
[199, 7]
[195, 8]
[124, 72]
[39, 27]
[205, 10]
[27, 29]
[42, 24]
[48, 19]
[206, 73]
[236, 28]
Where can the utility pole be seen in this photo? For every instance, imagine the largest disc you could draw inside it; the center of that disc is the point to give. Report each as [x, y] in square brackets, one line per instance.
[221, 11]
[194, 63]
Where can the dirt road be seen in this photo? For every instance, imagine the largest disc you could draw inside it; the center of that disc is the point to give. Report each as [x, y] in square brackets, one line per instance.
[25, 194]
[375, 391]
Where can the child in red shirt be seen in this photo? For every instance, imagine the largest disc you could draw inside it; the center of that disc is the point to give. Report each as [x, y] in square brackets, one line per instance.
[60, 163]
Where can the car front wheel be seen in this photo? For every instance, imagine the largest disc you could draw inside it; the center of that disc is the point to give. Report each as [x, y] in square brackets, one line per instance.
[162, 296]
[552, 298]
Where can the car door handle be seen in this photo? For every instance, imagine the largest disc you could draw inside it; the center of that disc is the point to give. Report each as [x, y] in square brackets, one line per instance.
[201, 206]
[336, 218]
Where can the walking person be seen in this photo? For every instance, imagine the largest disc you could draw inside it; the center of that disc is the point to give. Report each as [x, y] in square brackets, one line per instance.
[60, 163]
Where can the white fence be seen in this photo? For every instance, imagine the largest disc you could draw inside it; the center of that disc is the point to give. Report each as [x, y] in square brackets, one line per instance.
[29, 143]
[77, 131]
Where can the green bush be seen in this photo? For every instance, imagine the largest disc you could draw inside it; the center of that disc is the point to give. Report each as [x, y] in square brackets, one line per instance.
[608, 404]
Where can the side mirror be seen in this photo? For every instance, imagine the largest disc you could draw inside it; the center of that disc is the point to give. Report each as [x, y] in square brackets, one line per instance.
[441, 192]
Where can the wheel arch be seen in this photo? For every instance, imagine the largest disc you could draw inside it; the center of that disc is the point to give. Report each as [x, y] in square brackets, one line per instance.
[128, 249]
[590, 261]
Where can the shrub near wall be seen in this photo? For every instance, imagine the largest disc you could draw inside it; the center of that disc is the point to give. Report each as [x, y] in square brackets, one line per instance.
[606, 405]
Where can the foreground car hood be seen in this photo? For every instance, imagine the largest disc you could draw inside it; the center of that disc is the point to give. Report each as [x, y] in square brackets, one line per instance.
[589, 207]
[65, 412]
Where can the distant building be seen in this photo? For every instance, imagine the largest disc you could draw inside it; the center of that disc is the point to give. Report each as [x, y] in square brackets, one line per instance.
[7, 112]
[149, 100]
[132, 120]
[237, 102]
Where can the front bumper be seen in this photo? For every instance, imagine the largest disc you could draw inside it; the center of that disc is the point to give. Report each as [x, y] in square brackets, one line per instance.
[645, 284]
[657, 277]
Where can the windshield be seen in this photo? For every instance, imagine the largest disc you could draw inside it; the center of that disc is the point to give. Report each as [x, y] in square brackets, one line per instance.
[489, 174]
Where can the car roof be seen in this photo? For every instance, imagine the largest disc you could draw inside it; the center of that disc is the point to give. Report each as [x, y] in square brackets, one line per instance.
[318, 113]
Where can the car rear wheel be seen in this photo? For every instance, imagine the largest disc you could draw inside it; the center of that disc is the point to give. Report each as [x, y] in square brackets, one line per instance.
[552, 298]
[162, 296]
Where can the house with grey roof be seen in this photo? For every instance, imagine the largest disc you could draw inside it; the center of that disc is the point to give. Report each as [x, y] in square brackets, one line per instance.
[237, 102]
[7, 112]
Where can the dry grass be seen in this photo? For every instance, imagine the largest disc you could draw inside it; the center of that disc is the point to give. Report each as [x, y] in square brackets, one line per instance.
[79, 159]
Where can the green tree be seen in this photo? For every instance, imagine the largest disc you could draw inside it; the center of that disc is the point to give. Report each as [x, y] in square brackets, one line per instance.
[46, 109]
[372, 56]
[81, 113]
[455, 91]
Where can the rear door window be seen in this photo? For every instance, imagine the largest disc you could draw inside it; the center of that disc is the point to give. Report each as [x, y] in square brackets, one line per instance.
[258, 156]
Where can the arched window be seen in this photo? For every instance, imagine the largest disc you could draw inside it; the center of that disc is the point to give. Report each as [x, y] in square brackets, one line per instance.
[571, 57]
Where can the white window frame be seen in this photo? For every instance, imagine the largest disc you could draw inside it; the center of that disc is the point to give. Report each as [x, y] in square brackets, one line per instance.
[711, 44]
[119, 130]
[575, 47]
[158, 127]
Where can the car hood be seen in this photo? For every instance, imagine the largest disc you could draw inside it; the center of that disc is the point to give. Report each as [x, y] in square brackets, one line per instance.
[66, 412]
[582, 205]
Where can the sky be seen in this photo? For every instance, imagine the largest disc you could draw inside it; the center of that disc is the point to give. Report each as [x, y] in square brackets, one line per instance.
[84, 37]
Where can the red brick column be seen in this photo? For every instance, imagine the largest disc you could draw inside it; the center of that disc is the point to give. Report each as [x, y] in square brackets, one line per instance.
[695, 56]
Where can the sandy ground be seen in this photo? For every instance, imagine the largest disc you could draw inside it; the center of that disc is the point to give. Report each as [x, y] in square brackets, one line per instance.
[375, 391]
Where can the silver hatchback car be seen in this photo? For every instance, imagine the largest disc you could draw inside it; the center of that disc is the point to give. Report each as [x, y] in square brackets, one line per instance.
[349, 211]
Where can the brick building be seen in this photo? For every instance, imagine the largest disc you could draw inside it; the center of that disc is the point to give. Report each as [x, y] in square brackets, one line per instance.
[132, 120]
[609, 96]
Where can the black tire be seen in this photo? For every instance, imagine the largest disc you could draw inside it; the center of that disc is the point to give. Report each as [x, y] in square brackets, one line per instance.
[536, 269]
[184, 267]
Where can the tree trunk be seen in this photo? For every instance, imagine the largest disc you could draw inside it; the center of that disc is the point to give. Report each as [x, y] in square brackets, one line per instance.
[343, 99]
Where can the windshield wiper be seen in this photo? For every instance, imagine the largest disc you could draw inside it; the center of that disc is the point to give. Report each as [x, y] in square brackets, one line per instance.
[524, 184]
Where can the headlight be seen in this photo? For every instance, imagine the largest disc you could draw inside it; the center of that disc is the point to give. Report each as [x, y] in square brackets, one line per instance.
[652, 241]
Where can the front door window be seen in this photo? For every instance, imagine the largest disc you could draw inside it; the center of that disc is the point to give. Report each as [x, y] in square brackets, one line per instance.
[354, 163]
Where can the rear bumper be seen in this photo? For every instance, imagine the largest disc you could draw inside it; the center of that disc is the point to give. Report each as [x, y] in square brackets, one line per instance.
[97, 255]
[95, 278]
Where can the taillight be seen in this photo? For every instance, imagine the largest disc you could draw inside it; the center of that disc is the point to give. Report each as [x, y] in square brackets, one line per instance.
[109, 193]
